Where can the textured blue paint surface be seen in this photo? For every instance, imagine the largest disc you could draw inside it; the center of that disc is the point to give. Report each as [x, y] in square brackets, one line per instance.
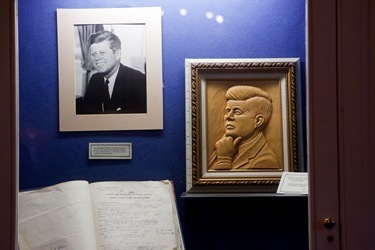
[250, 29]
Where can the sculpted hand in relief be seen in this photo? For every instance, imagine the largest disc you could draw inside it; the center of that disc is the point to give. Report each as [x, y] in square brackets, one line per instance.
[226, 148]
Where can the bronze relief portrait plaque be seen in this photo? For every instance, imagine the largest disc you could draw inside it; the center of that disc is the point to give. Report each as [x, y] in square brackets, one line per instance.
[241, 123]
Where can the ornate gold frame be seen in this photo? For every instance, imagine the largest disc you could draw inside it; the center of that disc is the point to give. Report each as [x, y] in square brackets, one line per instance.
[205, 80]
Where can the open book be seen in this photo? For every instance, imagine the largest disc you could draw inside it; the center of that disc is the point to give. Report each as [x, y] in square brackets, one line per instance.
[102, 215]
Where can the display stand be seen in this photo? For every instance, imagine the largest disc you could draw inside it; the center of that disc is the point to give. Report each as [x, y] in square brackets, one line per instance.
[187, 195]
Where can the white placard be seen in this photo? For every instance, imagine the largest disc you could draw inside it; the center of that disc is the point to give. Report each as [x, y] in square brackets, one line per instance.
[295, 183]
[110, 151]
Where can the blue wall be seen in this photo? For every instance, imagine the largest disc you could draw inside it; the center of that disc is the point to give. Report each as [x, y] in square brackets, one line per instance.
[251, 29]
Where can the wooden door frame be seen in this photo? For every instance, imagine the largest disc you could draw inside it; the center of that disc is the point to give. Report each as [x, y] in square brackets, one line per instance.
[322, 120]
[8, 135]
[341, 108]
[356, 112]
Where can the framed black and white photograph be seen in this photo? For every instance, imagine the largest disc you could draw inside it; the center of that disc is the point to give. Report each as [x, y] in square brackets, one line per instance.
[242, 123]
[110, 69]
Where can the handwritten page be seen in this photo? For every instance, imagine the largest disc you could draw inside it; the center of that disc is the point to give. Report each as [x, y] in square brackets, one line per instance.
[134, 215]
[56, 218]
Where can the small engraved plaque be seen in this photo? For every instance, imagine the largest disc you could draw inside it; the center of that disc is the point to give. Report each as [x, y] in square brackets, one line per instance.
[113, 151]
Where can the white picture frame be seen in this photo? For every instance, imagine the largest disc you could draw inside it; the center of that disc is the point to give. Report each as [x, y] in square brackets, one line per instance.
[148, 19]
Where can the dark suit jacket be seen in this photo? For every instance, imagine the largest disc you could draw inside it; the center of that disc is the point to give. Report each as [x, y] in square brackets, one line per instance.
[259, 155]
[129, 94]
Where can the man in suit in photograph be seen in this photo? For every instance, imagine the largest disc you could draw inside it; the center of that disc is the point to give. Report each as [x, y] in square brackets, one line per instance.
[244, 146]
[115, 88]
